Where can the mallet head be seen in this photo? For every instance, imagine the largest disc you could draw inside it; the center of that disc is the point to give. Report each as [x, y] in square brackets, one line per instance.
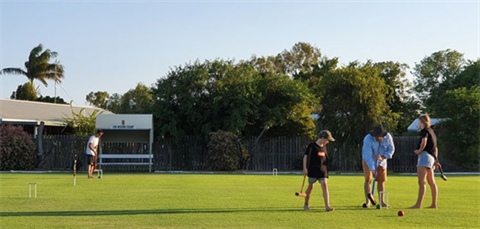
[300, 194]
[443, 177]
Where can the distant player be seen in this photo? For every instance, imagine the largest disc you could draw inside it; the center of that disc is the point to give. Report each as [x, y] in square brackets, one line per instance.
[92, 151]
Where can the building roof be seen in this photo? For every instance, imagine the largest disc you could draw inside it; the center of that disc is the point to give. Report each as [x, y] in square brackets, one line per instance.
[32, 113]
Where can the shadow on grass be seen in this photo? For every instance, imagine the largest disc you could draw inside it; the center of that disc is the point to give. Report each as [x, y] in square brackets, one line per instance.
[143, 212]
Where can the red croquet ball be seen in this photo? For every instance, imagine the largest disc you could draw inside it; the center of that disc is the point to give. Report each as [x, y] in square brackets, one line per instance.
[400, 213]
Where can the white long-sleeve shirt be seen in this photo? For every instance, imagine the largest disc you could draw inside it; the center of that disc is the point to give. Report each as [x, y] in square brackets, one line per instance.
[372, 148]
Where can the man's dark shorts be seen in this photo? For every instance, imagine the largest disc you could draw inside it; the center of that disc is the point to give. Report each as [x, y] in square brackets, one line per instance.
[90, 159]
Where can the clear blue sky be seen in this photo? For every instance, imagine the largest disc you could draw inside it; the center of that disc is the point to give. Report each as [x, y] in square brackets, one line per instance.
[112, 45]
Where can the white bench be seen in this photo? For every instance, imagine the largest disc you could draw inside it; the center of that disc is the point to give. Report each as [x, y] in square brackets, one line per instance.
[126, 156]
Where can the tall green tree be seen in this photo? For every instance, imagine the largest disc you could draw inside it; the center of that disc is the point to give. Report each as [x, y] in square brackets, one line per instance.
[434, 74]
[284, 106]
[301, 59]
[399, 96]
[353, 99]
[459, 135]
[25, 92]
[459, 107]
[304, 63]
[28, 92]
[469, 77]
[98, 99]
[183, 104]
[200, 98]
[38, 67]
[137, 101]
[113, 103]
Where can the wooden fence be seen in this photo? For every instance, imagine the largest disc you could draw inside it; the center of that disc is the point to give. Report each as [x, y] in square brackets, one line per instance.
[60, 150]
[404, 160]
[186, 154]
[286, 153]
[283, 153]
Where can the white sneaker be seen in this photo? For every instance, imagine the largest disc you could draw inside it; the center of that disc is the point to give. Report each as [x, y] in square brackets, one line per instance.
[306, 208]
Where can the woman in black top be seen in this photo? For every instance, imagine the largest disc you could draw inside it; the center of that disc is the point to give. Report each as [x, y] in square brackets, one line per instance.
[427, 152]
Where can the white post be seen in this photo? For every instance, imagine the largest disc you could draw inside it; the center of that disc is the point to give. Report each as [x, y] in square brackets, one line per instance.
[150, 145]
[30, 190]
[383, 195]
[55, 88]
[35, 131]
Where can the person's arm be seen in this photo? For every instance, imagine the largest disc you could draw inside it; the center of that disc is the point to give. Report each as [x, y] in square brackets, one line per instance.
[437, 163]
[423, 143]
[367, 153]
[306, 160]
[92, 148]
[305, 170]
[388, 154]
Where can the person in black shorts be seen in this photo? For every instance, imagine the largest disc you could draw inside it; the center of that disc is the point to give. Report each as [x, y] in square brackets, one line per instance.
[92, 151]
[315, 162]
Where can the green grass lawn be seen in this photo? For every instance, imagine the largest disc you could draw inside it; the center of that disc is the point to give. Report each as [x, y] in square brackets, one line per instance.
[226, 201]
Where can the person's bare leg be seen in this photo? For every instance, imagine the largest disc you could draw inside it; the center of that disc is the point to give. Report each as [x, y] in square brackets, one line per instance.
[326, 196]
[307, 197]
[368, 181]
[433, 187]
[421, 173]
[367, 190]
[90, 171]
[381, 188]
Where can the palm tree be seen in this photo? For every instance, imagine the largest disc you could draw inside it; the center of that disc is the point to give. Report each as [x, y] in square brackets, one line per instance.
[38, 67]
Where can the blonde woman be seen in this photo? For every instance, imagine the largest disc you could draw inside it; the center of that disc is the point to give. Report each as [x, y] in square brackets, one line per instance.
[427, 152]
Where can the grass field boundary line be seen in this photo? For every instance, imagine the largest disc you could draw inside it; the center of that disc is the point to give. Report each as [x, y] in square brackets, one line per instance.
[238, 172]
[296, 173]
[34, 172]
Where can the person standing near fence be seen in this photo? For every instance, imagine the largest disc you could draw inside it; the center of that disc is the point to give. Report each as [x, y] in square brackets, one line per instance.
[92, 151]
[315, 161]
[427, 152]
[377, 148]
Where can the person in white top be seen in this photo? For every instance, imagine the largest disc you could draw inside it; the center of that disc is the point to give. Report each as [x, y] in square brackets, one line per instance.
[92, 151]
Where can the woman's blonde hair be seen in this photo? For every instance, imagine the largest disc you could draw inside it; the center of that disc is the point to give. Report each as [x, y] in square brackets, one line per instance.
[425, 119]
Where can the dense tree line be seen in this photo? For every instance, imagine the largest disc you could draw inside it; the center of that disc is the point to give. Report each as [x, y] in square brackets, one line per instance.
[278, 94]
[138, 100]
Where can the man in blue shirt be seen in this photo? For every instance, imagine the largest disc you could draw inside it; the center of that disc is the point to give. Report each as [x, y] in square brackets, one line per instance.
[377, 148]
